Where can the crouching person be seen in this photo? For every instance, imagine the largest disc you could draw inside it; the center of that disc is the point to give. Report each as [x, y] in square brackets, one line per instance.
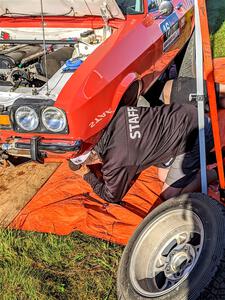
[137, 138]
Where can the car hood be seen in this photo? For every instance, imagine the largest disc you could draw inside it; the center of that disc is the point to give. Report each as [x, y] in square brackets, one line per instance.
[73, 8]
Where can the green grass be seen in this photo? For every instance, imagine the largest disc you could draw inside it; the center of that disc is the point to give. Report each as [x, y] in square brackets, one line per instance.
[216, 15]
[44, 266]
[218, 42]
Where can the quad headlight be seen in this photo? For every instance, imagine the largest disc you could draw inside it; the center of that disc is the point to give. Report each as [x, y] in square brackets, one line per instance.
[39, 119]
[27, 118]
[54, 119]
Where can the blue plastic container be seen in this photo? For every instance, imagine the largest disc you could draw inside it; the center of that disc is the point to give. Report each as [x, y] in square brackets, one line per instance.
[72, 64]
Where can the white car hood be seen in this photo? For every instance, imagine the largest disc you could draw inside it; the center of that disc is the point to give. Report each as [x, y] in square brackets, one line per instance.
[71, 8]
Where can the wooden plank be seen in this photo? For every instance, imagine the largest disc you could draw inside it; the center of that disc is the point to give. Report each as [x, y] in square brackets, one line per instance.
[18, 185]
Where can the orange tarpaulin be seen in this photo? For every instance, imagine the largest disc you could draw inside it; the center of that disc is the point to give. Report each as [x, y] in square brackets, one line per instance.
[67, 203]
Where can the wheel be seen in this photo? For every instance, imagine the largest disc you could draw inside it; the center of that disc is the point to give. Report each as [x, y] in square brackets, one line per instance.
[176, 253]
[188, 65]
[130, 97]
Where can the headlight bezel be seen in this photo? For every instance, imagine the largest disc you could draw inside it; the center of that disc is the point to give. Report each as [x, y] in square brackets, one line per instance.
[38, 107]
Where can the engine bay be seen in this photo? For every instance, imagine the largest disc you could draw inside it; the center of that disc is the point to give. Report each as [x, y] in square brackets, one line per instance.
[28, 65]
[23, 65]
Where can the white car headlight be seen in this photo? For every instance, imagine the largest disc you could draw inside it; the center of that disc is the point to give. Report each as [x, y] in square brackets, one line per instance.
[27, 118]
[54, 119]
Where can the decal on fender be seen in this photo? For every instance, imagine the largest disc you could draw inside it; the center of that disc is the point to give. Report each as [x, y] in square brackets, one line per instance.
[100, 117]
[170, 29]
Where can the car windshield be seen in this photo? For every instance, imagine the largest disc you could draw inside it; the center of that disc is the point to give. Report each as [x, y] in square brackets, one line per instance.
[216, 15]
[130, 7]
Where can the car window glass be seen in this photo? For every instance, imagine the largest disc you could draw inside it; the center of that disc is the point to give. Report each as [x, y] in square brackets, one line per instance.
[130, 7]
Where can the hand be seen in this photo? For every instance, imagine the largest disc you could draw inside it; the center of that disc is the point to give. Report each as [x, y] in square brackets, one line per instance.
[83, 171]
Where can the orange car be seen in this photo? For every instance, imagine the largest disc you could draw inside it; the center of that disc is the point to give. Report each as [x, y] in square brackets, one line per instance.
[66, 67]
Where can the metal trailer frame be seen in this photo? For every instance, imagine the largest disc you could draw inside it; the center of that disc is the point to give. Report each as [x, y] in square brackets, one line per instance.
[204, 61]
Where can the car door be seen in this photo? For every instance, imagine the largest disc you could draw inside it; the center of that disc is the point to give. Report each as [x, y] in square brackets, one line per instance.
[171, 31]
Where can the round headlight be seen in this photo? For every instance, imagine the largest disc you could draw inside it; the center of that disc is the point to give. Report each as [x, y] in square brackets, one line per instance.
[54, 119]
[27, 118]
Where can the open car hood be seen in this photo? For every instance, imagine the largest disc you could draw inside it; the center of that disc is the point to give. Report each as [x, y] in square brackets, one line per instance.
[72, 8]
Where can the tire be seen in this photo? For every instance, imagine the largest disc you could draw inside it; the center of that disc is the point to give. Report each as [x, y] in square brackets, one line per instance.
[188, 65]
[130, 97]
[177, 252]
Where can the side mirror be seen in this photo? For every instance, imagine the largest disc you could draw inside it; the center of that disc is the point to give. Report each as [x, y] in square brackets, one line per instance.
[166, 8]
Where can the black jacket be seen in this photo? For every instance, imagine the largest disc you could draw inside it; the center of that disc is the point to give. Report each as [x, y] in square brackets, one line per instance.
[137, 138]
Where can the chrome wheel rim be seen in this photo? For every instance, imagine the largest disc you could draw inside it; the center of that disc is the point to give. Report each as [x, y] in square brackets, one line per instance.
[166, 252]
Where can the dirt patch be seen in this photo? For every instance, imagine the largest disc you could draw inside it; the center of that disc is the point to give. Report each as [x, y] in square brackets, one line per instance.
[18, 185]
